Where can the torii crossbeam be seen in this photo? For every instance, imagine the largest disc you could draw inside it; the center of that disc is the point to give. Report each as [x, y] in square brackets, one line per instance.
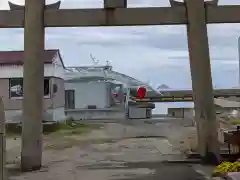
[196, 14]
[122, 16]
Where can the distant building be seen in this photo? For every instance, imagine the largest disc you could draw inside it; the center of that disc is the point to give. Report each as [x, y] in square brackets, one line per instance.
[11, 84]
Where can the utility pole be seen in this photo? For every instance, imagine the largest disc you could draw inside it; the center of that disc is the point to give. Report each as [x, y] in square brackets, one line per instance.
[33, 85]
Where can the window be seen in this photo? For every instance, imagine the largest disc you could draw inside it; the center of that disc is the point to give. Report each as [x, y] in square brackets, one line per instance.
[46, 87]
[16, 87]
[70, 99]
[55, 88]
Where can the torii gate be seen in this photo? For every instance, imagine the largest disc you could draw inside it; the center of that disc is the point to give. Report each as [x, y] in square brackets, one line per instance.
[194, 13]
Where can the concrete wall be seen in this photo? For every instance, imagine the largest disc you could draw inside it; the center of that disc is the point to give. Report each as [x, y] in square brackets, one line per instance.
[189, 92]
[175, 112]
[96, 114]
[56, 114]
[54, 100]
[190, 113]
[139, 113]
[53, 105]
[181, 112]
[92, 93]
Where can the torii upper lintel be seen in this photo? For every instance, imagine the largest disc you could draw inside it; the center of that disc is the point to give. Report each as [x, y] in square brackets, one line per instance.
[179, 3]
[13, 6]
[176, 14]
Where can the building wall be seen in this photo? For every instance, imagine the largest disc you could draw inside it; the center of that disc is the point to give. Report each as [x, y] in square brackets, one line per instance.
[181, 112]
[190, 112]
[55, 69]
[93, 93]
[96, 114]
[138, 113]
[58, 98]
[53, 105]
[56, 114]
[55, 100]
[175, 112]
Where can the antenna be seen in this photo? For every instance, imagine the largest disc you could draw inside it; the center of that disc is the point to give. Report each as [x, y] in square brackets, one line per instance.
[94, 60]
[108, 63]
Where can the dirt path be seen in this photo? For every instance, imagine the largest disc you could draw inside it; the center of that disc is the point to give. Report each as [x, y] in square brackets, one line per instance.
[116, 151]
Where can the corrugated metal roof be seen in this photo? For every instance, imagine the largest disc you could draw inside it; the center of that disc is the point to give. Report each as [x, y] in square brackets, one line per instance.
[89, 79]
[17, 57]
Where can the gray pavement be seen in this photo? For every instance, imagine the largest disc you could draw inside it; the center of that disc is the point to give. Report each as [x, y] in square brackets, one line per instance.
[130, 151]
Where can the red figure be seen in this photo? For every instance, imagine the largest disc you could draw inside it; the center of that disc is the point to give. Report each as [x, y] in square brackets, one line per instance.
[141, 92]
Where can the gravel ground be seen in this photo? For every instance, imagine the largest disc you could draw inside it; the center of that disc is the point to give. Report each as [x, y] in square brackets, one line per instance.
[131, 151]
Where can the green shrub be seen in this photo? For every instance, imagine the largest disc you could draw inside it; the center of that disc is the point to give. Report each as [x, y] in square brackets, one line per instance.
[234, 121]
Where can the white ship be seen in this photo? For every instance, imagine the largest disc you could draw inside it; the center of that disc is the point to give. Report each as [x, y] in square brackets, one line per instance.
[90, 93]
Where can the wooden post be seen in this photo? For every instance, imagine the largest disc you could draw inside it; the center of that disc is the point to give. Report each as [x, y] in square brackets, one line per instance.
[33, 85]
[2, 143]
[205, 115]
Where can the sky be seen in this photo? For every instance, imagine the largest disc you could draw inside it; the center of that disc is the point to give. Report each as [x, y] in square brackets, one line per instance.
[154, 54]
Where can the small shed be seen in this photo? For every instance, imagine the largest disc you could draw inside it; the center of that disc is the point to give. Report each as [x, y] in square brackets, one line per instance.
[11, 84]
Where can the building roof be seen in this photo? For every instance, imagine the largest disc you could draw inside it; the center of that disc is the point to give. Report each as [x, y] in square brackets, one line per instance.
[17, 57]
[89, 79]
[106, 73]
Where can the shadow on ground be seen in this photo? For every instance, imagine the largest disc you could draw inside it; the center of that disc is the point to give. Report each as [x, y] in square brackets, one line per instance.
[161, 171]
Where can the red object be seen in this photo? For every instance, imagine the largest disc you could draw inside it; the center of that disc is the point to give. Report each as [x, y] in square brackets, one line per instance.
[115, 94]
[141, 92]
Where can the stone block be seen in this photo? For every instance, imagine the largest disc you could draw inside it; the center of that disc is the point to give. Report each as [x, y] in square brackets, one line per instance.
[233, 176]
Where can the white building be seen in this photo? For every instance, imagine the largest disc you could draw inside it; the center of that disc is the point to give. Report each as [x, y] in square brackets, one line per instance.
[90, 93]
[11, 84]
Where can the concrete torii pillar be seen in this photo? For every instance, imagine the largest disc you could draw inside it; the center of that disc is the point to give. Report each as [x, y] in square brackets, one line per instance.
[2, 142]
[33, 85]
[205, 114]
[33, 80]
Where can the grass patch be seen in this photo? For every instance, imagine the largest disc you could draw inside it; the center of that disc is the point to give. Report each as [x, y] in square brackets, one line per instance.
[70, 126]
[234, 122]
[73, 129]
